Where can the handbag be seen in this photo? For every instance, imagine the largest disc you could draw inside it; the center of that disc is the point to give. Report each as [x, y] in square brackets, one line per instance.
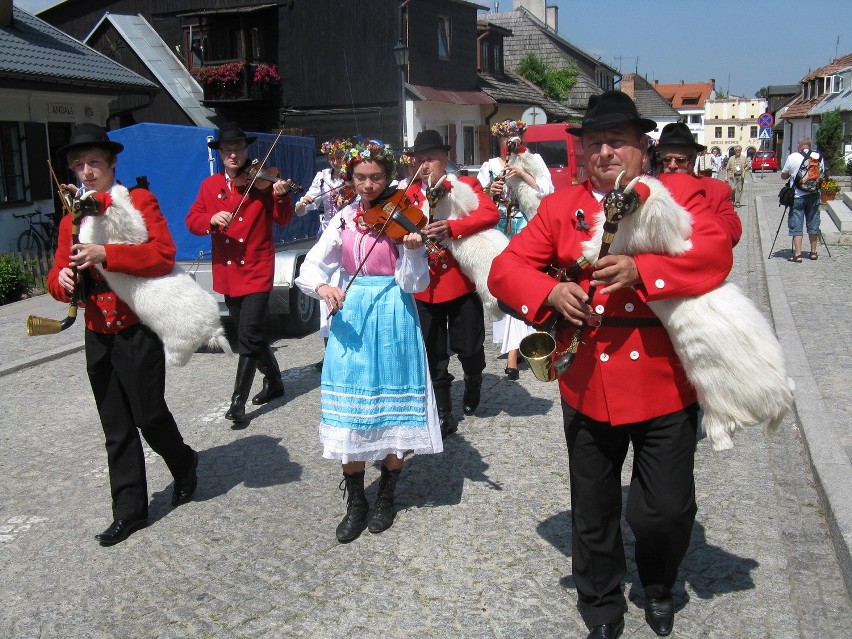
[786, 195]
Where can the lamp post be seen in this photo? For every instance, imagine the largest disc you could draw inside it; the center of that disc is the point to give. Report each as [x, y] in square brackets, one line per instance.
[400, 55]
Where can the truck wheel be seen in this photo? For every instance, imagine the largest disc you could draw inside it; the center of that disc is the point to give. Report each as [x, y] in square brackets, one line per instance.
[303, 317]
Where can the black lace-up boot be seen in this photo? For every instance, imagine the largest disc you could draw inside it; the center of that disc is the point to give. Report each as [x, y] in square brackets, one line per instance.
[382, 519]
[357, 508]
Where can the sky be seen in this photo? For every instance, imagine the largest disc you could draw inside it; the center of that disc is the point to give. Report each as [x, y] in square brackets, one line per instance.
[743, 44]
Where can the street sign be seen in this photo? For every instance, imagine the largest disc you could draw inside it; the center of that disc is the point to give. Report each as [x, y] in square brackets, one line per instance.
[765, 134]
[534, 115]
[765, 121]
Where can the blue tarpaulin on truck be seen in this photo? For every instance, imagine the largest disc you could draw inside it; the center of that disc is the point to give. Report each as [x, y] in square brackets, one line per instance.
[175, 159]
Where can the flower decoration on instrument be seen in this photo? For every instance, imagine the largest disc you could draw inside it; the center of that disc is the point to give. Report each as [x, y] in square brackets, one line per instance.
[370, 151]
[405, 159]
[509, 128]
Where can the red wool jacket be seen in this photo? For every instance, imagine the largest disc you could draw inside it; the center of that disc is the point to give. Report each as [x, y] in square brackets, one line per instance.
[243, 254]
[619, 375]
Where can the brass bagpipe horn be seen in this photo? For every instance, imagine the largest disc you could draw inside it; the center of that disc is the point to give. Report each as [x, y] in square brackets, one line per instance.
[78, 208]
[539, 348]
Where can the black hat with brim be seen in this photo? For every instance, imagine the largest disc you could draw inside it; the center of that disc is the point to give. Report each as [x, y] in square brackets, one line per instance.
[88, 134]
[678, 134]
[427, 141]
[230, 132]
[608, 110]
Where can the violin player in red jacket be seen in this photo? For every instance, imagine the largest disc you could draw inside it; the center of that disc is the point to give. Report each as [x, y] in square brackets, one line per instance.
[243, 255]
[626, 384]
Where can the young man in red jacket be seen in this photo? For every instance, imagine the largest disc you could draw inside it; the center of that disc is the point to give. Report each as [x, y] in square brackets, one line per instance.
[125, 360]
[625, 384]
[240, 228]
[450, 310]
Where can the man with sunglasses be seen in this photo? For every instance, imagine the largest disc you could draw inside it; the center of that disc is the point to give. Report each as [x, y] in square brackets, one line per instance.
[677, 151]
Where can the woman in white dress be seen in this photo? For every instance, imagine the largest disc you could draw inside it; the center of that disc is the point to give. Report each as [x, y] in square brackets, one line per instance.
[326, 190]
[517, 180]
[377, 398]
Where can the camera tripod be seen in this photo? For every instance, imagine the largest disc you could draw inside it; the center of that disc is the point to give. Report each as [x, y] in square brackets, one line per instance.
[780, 222]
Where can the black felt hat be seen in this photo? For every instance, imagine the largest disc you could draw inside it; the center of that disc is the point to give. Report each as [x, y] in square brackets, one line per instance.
[230, 132]
[678, 134]
[608, 110]
[88, 134]
[428, 140]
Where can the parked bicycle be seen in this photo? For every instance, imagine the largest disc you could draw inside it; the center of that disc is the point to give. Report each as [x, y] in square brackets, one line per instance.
[39, 236]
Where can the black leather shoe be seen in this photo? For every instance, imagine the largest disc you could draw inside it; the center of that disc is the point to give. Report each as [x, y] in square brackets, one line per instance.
[272, 389]
[659, 613]
[472, 386]
[449, 425]
[120, 530]
[512, 373]
[184, 490]
[607, 630]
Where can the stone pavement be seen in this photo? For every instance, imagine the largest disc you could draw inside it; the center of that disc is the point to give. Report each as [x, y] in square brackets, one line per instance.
[481, 544]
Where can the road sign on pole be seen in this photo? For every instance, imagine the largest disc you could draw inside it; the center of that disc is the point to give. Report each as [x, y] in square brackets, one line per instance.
[765, 134]
[765, 120]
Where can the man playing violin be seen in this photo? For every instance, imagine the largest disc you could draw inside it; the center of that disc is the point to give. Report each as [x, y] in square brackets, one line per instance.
[451, 312]
[240, 226]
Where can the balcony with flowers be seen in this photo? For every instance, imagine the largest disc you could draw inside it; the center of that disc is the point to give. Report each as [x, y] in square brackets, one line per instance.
[238, 80]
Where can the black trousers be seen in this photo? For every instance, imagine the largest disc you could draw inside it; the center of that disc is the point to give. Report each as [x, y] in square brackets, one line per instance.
[660, 505]
[127, 372]
[248, 312]
[462, 321]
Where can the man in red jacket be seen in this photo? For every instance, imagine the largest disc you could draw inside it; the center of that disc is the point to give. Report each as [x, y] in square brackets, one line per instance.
[676, 153]
[240, 227]
[450, 310]
[125, 360]
[626, 384]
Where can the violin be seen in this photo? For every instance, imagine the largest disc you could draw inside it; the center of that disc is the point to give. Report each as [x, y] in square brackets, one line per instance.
[394, 216]
[263, 178]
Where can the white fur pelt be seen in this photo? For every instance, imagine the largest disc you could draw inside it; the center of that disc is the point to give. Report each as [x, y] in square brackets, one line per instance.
[527, 197]
[174, 306]
[475, 252]
[727, 347]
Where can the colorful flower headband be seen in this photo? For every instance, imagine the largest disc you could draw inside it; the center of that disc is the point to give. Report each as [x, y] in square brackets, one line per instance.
[370, 151]
[405, 159]
[337, 146]
[508, 128]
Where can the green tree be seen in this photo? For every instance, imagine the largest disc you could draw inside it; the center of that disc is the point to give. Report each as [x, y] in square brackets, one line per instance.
[556, 83]
[829, 140]
[761, 92]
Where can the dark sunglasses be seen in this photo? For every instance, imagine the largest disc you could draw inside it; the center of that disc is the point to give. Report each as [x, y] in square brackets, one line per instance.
[680, 159]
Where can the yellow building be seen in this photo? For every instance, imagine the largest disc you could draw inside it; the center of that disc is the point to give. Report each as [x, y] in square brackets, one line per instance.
[729, 122]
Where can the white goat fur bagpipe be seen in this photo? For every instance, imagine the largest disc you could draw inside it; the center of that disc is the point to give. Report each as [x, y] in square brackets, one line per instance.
[727, 347]
[174, 306]
[526, 196]
[475, 252]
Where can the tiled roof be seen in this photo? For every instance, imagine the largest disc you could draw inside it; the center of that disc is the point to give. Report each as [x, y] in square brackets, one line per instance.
[829, 69]
[801, 108]
[172, 75]
[649, 102]
[696, 93]
[34, 51]
[514, 89]
[841, 101]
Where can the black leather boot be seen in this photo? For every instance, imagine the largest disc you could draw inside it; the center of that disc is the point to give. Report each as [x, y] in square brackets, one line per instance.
[448, 423]
[472, 386]
[272, 385]
[242, 387]
[382, 519]
[357, 508]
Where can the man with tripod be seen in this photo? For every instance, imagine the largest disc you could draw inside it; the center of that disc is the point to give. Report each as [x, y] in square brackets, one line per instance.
[806, 203]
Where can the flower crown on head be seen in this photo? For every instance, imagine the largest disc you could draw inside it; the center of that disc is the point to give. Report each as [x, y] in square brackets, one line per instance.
[337, 146]
[369, 151]
[508, 128]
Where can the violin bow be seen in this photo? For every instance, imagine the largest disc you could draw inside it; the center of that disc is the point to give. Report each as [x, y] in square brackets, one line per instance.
[256, 173]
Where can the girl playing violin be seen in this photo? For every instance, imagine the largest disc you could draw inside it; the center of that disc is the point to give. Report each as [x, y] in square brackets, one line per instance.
[327, 189]
[372, 407]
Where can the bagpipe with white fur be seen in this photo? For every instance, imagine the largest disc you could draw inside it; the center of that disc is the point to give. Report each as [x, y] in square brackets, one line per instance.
[174, 306]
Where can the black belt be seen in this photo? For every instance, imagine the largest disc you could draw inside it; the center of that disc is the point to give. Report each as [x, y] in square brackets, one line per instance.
[624, 322]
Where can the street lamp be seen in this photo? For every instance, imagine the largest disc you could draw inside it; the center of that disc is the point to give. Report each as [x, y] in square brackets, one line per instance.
[400, 56]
